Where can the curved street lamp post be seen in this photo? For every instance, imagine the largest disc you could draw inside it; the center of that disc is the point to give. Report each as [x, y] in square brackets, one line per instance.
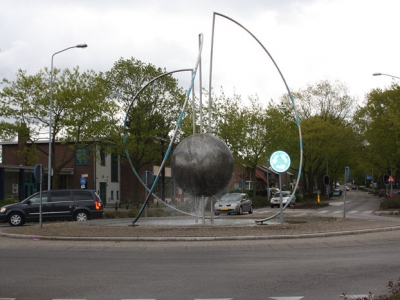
[379, 74]
[51, 109]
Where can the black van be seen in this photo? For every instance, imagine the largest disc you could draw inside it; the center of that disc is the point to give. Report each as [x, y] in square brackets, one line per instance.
[79, 205]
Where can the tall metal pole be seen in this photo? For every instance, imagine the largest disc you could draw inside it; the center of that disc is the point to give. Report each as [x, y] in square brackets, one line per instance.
[49, 169]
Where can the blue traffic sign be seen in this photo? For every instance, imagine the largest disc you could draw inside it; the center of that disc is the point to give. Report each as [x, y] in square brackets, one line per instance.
[83, 180]
[280, 161]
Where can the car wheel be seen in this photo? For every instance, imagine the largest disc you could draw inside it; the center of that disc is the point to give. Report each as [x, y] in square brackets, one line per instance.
[272, 206]
[81, 216]
[15, 219]
[217, 214]
[251, 209]
[240, 211]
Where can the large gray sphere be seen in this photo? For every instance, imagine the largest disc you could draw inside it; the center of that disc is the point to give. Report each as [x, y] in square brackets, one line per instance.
[202, 165]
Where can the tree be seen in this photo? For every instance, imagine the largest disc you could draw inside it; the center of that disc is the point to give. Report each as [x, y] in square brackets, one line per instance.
[244, 128]
[151, 118]
[378, 124]
[328, 139]
[81, 112]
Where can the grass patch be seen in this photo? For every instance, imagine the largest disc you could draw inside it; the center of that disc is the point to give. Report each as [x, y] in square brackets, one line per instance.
[310, 205]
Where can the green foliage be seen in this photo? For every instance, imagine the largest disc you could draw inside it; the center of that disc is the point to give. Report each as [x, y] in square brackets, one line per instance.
[80, 111]
[377, 122]
[391, 203]
[8, 201]
[325, 110]
[152, 116]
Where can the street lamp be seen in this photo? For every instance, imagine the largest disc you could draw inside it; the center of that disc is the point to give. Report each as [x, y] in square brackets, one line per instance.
[379, 74]
[51, 108]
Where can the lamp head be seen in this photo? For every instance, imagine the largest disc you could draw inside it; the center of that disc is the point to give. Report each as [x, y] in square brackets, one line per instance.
[377, 74]
[81, 46]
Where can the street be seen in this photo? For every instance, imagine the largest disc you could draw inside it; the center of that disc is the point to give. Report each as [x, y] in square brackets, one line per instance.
[307, 268]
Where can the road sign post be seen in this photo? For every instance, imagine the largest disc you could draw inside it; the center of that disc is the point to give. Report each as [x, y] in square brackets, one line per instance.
[346, 179]
[38, 174]
[280, 162]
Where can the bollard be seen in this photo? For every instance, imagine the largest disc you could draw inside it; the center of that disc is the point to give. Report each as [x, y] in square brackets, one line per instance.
[319, 198]
[116, 205]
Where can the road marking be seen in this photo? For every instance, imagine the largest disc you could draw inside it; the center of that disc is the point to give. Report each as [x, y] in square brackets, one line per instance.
[287, 298]
[355, 296]
[368, 212]
[353, 212]
[213, 299]
[335, 203]
[338, 211]
[323, 211]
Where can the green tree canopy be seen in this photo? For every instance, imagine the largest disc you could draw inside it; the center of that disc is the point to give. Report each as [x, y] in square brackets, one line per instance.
[152, 117]
[378, 122]
[81, 113]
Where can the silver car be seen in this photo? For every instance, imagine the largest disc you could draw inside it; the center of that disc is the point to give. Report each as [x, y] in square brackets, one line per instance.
[233, 203]
[275, 201]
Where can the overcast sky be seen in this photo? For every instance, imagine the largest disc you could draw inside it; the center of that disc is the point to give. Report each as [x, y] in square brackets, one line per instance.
[310, 40]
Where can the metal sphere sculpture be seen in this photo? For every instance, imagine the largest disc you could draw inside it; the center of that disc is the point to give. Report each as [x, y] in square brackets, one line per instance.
[202, 165]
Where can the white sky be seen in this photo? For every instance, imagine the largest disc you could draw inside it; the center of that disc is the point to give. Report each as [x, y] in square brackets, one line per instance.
[310, 40]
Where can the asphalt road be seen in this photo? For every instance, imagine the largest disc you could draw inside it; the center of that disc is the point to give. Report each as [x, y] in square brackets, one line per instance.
[313, 268]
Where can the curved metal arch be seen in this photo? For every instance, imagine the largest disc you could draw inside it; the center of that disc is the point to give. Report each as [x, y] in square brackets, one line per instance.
[125, 125]
[287, 88]
[178, 124]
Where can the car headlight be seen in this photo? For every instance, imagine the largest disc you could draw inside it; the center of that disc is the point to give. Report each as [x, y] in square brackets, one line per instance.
[3, 209]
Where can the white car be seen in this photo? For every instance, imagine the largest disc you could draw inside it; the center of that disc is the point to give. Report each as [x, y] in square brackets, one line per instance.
[275, 201]
[236, 203]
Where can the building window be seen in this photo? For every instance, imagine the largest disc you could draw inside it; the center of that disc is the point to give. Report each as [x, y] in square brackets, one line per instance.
[102, 157]
[112, 195]
[82, 156]
[114, 168]
[117, 195]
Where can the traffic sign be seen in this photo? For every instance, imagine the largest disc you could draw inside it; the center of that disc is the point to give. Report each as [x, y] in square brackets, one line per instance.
[83, 180]
[280, 161]
[38, 173]
[390, 179]
[326, 180]
[346, 174]
[385, 179]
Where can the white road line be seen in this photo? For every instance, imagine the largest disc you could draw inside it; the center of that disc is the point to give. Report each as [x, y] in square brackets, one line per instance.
[213, 299]
[338, 212]
[368, 212]
[323, 211]
[355, 296]
[287, 298]
[335, 203]
[353, 212]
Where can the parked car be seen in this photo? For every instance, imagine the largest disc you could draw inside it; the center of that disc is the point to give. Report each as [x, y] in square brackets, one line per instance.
[347, 188]
[79, 205]
[275, 201]
[394, 193]
[336, 192]
[233, 203]
[382, 192]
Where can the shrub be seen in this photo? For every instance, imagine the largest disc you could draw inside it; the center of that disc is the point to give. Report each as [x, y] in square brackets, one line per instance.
[394, 290]
[392, 203]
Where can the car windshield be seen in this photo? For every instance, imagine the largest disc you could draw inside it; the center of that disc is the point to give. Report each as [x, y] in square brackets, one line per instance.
[230, 198]
[287, 194]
